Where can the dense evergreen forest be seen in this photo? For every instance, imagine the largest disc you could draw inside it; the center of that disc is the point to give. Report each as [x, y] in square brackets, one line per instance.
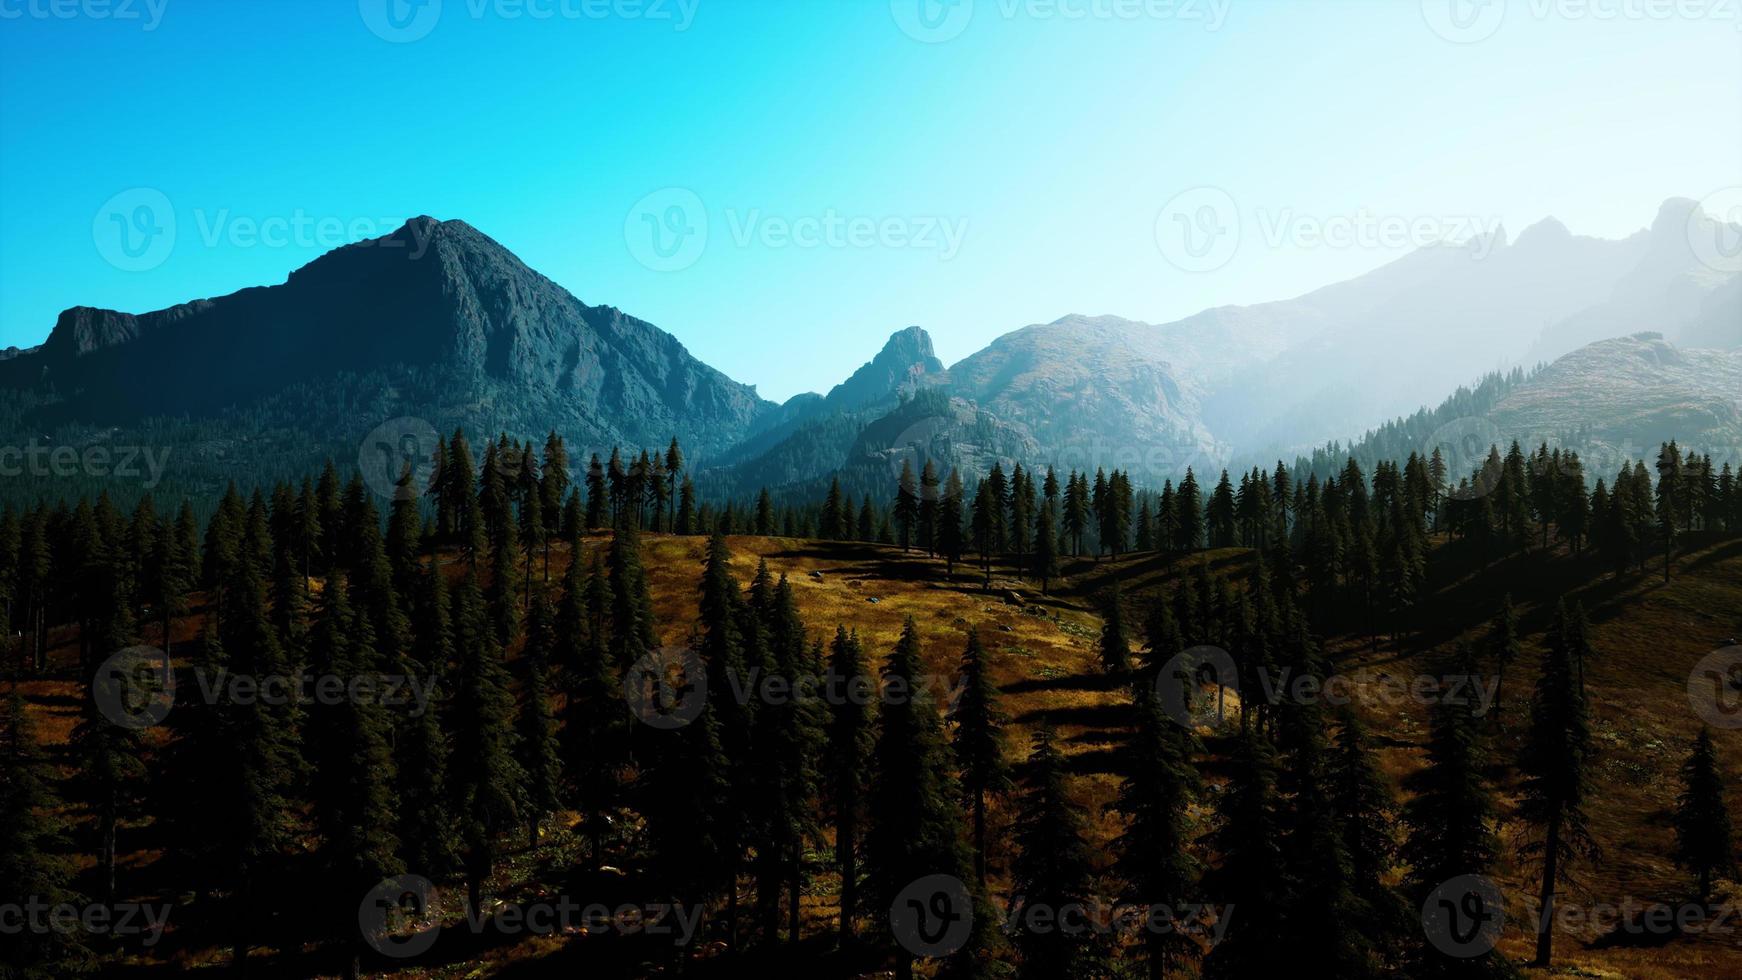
[487, 632]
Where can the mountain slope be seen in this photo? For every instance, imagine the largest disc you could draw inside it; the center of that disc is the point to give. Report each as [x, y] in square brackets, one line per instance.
[438, 296]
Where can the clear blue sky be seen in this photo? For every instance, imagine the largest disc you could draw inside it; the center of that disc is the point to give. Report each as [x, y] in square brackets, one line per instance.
[1049, 144]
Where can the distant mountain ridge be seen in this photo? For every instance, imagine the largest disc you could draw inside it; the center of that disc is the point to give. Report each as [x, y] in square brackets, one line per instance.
[440, 322]
[435, 295]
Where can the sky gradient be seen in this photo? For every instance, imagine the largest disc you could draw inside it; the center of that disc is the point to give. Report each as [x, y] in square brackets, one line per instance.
[858, 166]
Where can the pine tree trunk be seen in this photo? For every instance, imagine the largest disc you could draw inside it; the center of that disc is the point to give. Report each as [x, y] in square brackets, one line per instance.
[794, 886]
[1545, 925]
[980, 835]
[849, 876]
[107, 847]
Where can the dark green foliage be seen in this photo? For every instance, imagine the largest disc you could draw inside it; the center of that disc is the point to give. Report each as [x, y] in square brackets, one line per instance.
[1702, 820]
[29, 866]
[595, 736]
[847, 761]
[1555, 768]
[915, 826]
[535, 726]
[1153, 854]
[978, 742]
[1052, 874]
[485, 778]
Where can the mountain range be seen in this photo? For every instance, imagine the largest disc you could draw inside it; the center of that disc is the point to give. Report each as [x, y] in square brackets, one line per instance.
[440, 322]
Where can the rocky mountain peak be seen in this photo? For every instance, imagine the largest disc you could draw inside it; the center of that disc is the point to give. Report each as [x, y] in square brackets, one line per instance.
[907, 359]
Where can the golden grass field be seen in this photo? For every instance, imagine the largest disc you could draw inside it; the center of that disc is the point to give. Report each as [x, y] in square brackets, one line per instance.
[1043, 654]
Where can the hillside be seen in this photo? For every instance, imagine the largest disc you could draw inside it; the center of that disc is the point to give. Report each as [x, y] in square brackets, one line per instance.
[1044, 659]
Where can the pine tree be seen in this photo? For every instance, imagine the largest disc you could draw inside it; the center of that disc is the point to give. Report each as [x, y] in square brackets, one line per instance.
[1554, 763]
[427, 839]
[350, 741]
[1702, 820]
[594, 738]
[1250, 877]
[29, 836]
[1115, 645]
[950, 524]
[1188, 514]
[1450, 823]
[1046, 559]
[1366, 807]
[978, 743]
[1053, 871]
[915, 830]
[486, 779]
[536, 747]
[847, 755]
[1504, 647]
[633, 633]
[1153, 851]
[833, 524]
[906, 514]
[1671, 499]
